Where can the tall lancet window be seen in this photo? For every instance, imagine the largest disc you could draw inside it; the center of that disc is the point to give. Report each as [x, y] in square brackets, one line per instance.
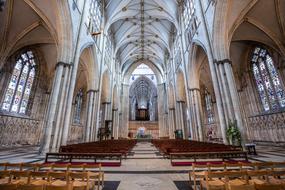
[209, 107]
[270, 89]
[18, 92]
[188, 12]
[78, 107]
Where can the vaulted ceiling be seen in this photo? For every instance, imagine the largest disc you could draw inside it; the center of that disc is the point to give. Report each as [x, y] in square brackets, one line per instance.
[142, 29]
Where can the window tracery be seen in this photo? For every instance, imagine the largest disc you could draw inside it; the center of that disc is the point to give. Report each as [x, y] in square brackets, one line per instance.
[189, 20]
[95, 17]
[269, 87]
[209, 107]
[18, 92]
[78, 107]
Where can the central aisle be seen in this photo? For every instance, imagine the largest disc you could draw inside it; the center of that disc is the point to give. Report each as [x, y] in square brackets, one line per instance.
[146, 169]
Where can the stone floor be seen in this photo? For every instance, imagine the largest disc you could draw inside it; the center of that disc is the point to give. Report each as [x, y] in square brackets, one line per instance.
[143, 170]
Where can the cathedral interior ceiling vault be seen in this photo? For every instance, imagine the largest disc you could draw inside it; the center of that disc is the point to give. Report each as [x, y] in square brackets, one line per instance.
[28, 23]
[248, 25]
[142, 29]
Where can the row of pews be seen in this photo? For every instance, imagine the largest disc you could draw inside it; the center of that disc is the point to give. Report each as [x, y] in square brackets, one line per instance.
[28, 176]
[194, 150]
[100, 150]
[238, 176]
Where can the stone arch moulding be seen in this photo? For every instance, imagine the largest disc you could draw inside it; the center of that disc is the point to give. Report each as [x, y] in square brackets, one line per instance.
[127, 73]
[62, 34]
[89, 58]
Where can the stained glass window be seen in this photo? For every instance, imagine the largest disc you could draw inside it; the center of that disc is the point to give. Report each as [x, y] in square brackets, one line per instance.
[209, 107]
[190, 20]
[78, 106]
[19, 88]
[270, 89]
[188, 12]
[94, 18]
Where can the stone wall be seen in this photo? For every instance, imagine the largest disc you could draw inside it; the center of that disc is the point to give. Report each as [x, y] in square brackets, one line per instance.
[19, 131]
[75, 134]
[267, 128]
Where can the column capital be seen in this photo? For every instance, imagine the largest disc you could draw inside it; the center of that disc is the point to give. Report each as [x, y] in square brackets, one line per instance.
[194, 89]
[180, 101]
[61, 63]
[171, 108]
[115, 109]
[223, 61]
[90, 90]
[106, 102]
[227, 61]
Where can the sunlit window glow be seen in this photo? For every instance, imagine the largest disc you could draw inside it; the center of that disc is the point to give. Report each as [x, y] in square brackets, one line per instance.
[144, 70]
[269, 87]
[19, 89]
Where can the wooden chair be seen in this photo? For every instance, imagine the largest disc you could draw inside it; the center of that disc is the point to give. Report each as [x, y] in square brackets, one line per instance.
[81, 181]
[14, 166]
[56, 187]
[8, 186]
[95, 173]
[264, 165]
[198, 172]
[213, 181]
[276, 177]
[5, 177]
[233, 166]
[20, 177]
[39, 178]
[29, 166]
[31, 187]
[59, 167]
[76, 167]
[45, 167]
[278, 166]
[216, 167]
[247, 166]
[58, 179]
[268, 186]
[236, 180]
[258, 176]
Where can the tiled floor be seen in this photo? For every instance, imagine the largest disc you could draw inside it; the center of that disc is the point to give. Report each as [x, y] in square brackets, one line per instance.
[145, 169]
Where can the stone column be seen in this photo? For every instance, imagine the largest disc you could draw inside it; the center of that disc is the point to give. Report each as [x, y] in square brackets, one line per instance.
[171, 117]
[94, 119]
[115, 130]
[166, 124]
[124, 124]
[196, 109]
[234, 98]
[64, 105]
[106, 113]
[220, 105]
[49, 123]
[199, 112]
[60, 113]
[90, 109]
[180, 117]
[160, 106]
[192, 115]
[225, 91]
